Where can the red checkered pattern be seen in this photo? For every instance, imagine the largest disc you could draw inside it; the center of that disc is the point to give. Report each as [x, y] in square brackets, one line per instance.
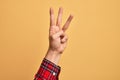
[47, 71]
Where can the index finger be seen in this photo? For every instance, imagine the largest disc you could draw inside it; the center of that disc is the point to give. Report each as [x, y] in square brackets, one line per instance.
[52, 19]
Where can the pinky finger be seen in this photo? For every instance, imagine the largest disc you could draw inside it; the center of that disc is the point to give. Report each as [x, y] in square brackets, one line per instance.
[65, 38]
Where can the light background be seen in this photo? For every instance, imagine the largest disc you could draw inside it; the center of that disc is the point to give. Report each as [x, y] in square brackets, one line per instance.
[93, 52]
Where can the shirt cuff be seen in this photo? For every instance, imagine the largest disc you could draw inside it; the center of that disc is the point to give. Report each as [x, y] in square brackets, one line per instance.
[48, 70]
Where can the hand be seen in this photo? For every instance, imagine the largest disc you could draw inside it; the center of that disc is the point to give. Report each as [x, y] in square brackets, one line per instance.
[57, 37]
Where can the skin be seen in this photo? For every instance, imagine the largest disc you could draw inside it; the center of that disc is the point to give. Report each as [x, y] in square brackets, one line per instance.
[57, 37]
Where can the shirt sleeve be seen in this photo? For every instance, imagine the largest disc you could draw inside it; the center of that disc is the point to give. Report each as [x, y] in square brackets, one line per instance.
[47, 71]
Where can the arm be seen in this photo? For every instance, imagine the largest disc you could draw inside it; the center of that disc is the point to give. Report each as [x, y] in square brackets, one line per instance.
[57, 43]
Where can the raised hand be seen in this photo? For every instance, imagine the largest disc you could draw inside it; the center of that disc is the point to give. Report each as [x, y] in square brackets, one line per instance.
[57, 37]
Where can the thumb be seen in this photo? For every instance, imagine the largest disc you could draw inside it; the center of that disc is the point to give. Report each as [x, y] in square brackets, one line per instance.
[58, 34]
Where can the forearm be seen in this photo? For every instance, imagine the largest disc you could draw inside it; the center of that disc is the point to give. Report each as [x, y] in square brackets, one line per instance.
[53, 56]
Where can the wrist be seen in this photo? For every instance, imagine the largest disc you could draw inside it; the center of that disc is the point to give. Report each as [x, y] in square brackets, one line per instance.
[53, 56]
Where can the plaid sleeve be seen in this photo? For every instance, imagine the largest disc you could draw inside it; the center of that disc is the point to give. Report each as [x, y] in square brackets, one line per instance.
[47, 71]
